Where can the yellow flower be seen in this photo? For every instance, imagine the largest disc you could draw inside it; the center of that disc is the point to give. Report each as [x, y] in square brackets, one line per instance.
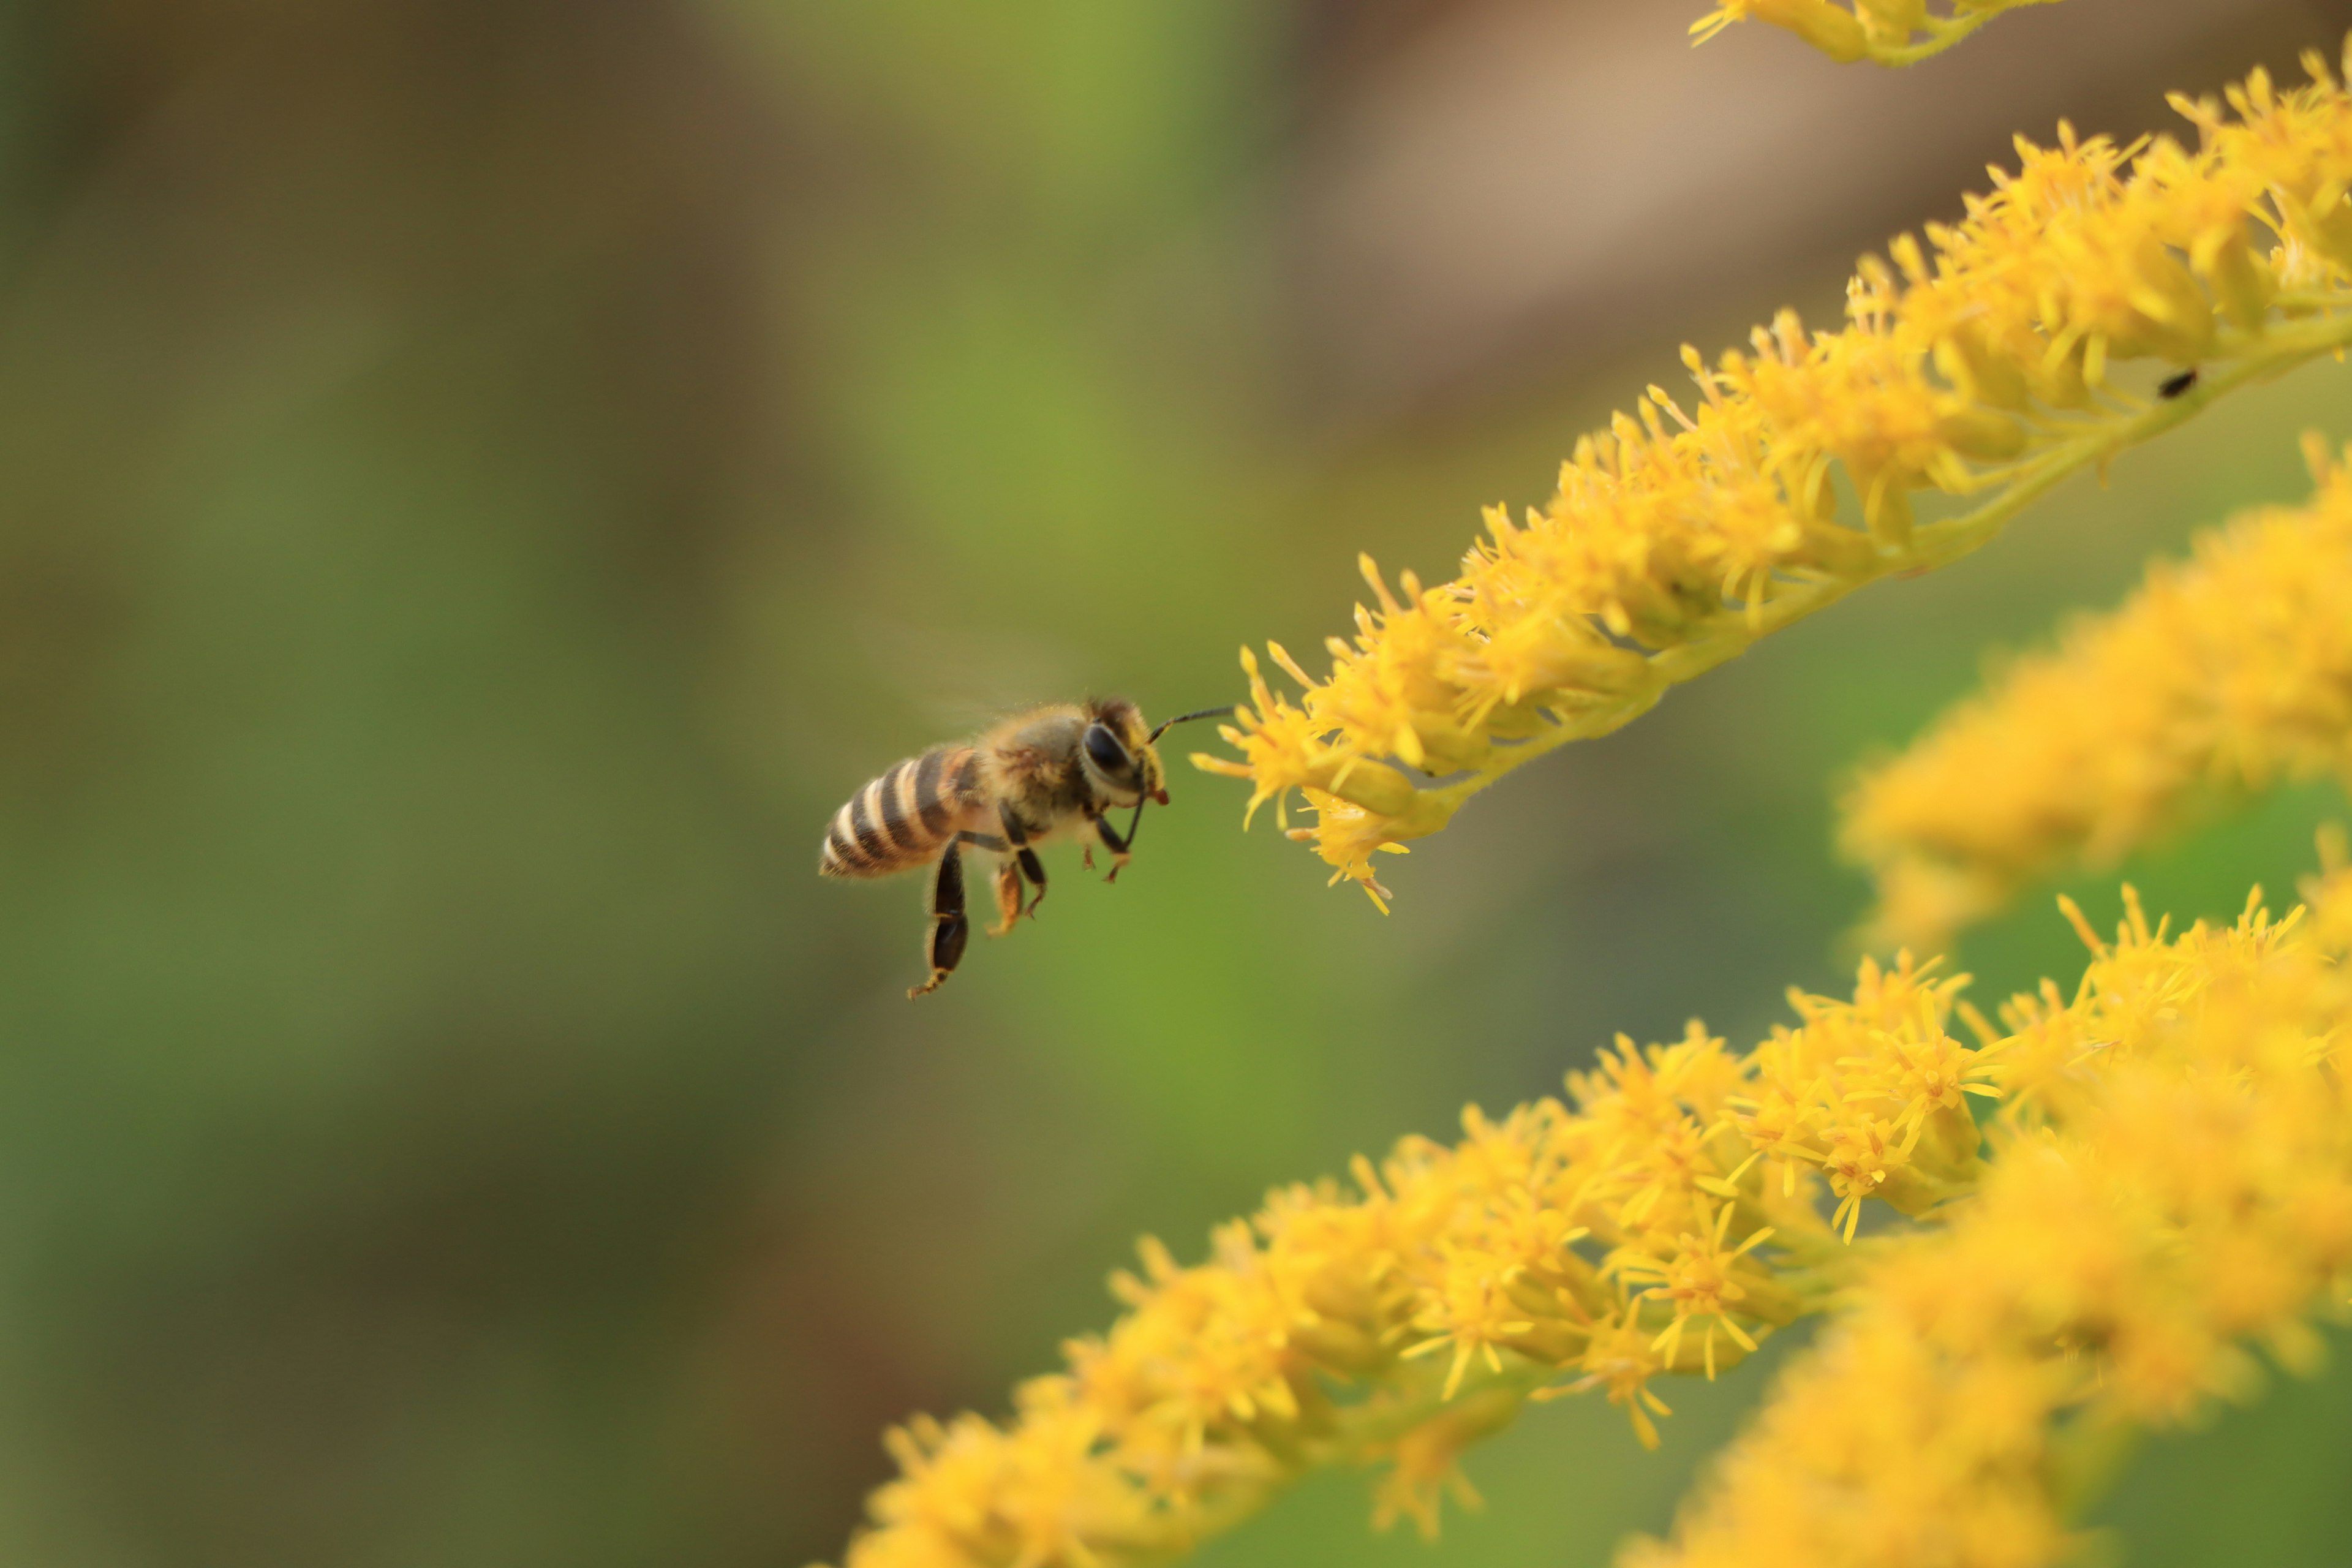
[2170, 1177]
[1347, 836]
[1835, 32]
[1703, 1279]
[1550, 1252]
[2189, 1190]
[2218, 678]
[1284, 750]
[1871, 1091]
[971, 1491]
[1981, 357]
[1891, 32]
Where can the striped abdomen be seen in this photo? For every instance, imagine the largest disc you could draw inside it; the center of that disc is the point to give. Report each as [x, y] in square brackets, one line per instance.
[903, 818]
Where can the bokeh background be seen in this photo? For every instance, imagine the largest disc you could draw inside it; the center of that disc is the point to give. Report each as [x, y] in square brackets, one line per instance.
[481, 480]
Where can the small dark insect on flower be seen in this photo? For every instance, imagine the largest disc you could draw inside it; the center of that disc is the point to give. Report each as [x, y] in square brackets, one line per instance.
[2175, 385]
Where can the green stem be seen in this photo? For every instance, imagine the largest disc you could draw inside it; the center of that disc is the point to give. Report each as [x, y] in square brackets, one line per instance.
[1935, 544]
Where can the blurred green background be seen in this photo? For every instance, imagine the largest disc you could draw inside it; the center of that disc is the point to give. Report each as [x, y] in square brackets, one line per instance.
[484, 478]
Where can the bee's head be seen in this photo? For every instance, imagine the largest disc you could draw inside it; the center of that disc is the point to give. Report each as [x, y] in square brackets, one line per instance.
[1118, 754]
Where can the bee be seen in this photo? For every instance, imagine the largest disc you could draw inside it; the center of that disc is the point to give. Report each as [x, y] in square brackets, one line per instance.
[1031, 777]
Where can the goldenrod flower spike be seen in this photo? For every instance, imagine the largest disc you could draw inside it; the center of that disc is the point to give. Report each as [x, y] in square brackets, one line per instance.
[1655, 1229]
[1984, 359]
[2171, 1181]
[2217, 679]
[1889, 32]
[2169, 1178]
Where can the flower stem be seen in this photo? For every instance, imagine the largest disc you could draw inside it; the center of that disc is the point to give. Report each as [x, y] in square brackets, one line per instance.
[1943, 32]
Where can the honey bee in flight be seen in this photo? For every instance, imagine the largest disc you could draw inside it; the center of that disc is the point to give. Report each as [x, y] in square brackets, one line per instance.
[1052, 770]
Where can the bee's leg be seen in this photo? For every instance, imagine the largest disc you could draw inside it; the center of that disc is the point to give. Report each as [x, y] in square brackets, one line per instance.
[944, 946]
[1025, 857]
[1111, 841]
[1006, 912]
[1008, 897]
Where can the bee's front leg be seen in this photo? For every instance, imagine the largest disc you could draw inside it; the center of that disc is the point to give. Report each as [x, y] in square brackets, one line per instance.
[1111, 841]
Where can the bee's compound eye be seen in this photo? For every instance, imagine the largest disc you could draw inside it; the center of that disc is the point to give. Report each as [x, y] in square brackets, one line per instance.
[1107, 753]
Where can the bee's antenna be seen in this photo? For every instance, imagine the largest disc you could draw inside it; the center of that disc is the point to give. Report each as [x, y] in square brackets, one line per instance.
[1137, 820]
[1225, 712]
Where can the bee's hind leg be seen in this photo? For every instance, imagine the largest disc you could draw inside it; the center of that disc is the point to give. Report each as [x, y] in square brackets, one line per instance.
[944, 945]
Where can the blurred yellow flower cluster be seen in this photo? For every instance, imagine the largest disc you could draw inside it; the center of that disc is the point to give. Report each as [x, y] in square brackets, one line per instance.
[1661, 1226]
[1890, 32]
[2220, 677]
[1981, 358]
[2172, 1177]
